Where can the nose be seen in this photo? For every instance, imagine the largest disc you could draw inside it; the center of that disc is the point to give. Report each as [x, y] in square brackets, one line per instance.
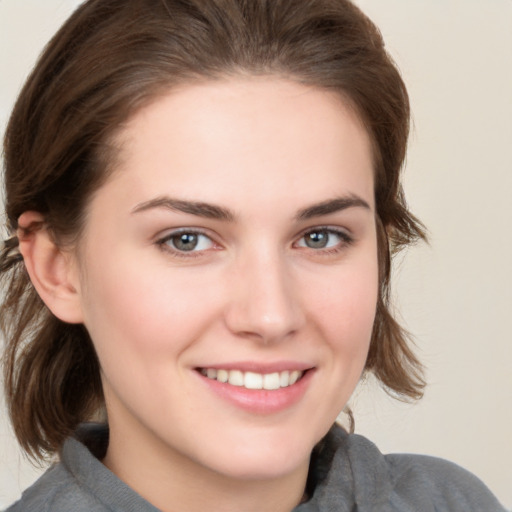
[264, 301]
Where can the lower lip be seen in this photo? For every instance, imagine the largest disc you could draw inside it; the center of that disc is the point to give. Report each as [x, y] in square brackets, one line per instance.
[261, 401]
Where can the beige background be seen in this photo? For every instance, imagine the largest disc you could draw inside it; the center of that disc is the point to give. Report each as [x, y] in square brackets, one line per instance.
[456, 295]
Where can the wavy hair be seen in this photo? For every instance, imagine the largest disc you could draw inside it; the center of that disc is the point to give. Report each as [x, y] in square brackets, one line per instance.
[109, 59]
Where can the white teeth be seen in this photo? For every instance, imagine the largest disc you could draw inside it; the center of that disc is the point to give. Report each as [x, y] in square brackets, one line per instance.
[252, 380]
[271, 381]
[222, 375]
[295, 376]
[236, 378]
[284, 379]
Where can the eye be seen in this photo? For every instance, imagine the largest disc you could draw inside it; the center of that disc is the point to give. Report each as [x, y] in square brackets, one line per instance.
[324, 238]
[187, 241]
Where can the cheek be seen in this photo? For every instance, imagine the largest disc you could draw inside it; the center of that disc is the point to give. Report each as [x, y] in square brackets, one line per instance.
[348, 301]
[142, 325]
[352, 325]
[142, 314]
[346, 314]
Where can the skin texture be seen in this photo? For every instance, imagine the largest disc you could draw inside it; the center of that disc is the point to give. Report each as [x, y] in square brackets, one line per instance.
[251, 294]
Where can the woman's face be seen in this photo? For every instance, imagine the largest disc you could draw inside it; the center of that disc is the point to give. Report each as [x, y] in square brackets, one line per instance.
[235, 241]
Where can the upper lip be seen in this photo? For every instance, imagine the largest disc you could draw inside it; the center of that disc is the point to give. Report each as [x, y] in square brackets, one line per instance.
[260, 367]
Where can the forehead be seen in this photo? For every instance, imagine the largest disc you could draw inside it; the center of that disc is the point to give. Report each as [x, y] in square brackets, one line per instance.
[211, 140]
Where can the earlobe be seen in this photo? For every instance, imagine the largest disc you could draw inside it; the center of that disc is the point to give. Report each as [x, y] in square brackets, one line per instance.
[51, 269]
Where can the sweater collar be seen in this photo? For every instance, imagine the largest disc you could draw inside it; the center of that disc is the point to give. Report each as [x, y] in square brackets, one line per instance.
[346, 471]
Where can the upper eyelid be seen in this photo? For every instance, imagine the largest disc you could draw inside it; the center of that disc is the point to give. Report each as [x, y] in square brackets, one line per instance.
[208, 232]
[169, 233]
[329, 228]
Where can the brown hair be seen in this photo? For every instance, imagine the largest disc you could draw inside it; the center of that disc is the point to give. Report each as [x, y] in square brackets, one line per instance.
[110, 58]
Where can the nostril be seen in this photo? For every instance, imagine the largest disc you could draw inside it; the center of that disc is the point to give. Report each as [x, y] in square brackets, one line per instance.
[263, 300]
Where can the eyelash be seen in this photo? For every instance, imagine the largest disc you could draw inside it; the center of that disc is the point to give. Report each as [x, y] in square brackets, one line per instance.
[165, 246]
[345, 241]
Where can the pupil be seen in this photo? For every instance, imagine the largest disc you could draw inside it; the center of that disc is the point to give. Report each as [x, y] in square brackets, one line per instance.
[317, 239]
[185, 242]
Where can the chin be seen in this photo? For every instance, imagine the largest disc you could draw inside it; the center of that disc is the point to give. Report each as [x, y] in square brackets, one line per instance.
[271, 459]
[264, 469]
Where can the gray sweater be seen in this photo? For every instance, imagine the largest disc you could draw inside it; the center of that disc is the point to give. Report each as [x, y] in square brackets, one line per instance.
[347, 474]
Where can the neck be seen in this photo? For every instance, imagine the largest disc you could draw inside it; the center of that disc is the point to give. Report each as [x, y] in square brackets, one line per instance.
[171, 481]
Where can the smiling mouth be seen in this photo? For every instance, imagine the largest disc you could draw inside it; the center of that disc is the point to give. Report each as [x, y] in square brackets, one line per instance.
[253, 380]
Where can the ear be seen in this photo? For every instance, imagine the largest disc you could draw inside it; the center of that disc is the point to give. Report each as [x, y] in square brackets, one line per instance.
[52, 270]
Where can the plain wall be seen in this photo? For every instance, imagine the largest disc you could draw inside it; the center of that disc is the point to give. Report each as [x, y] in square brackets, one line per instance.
[455, 295]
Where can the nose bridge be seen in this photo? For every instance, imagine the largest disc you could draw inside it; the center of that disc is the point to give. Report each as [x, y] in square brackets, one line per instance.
[264, 300]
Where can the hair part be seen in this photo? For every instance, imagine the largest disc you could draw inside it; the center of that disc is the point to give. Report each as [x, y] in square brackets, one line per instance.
[107, 61]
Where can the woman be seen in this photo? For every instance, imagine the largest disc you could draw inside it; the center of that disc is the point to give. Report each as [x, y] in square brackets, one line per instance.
[203, 198]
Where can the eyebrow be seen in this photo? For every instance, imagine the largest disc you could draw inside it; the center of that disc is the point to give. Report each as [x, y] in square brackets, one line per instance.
[211, 211]
[332, 206]
[207, 210]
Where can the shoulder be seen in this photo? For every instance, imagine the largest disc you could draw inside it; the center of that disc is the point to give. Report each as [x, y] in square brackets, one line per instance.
[55, 491]
[441, 482]
[350, 471]
[80, 482]
[68, 485]
[421, 482]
